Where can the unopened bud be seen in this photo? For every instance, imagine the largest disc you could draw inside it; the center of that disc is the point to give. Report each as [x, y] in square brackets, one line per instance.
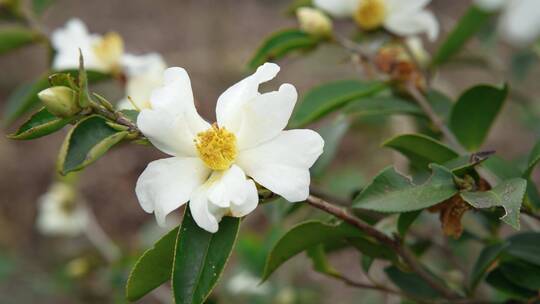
[314, 22]
[60, 101]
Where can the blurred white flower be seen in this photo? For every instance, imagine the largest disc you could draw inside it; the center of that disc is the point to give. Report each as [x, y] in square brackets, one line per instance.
[210, 162]
[144, 74]
[101, 53]
[246, 283]
[519, 23]
[59, 213]
[415, 45]
[314, 22]
[401, 17]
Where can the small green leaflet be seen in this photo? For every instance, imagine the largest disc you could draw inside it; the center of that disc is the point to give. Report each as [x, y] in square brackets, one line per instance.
[40, 124]
[200, 258]
[508, 194]
[282, 43]
[499, 281]
[474, 113]
[153, 268]
[302, 237]
[86, 142]
[328, 97]
[393, 192]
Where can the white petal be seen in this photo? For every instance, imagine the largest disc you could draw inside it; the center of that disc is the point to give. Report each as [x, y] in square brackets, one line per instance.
[405, 24]
[337, 8]
[520, 23]
[490, 5]
[167, 184]
[229, 103]
[231, 190]
[172, 122]
[282, 164]
[205, 214]
[266, 116]
[405, 6]
[152, 63]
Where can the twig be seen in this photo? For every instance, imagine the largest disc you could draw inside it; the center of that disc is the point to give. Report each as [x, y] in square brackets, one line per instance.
[395, 244]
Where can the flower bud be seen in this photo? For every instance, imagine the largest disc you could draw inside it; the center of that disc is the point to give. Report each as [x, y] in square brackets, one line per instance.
[314, 22]
[60, 101]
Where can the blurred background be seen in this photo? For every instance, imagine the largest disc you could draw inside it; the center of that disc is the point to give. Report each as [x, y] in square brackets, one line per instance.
[213, 40]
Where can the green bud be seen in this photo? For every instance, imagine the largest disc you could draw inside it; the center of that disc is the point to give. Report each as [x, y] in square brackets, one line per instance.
[60, 101]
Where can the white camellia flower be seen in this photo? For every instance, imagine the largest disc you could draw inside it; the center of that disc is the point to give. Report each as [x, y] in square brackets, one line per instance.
[59, 213]
[401, 17]
[144, 74]
[210, 162]
[101, 53]
[520, 20]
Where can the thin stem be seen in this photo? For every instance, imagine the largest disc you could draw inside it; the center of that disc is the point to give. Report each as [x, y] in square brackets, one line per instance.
[354, 283]
[395, 244]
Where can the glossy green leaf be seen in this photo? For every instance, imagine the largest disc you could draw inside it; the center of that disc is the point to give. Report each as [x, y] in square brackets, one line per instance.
[421, 150]
[320, 262]
[282, 43]
[500, 282]
[393, 192]
[40, 124]
[372, 248]
[525, 246]
[405, 220]
[153, 268]
[328, 97]
[500, 168]
[441, 103]
[381, 105]
[200, 258]
[411, 283]
[86, 142]
[332, 134]
[12, 37]
[521, 273]
[302, 237]
[508, 194]
[467, 26]
[474, 113]
[486, 259]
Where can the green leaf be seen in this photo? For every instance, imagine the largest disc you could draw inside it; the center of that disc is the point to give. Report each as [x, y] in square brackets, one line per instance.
[467, 26]
[40, 124]
[153, 268]
[500, 282]
[332, 134]
[25, 98]
[40, 6]
[328, 97]
[441, 103]
[320, 262]
[86, 142]
[12, 37]
[373, 249]
[421, 150]
[381, 105]
[534, 158]
[200, 258]
[411, 283]
[508, 194]
[302, 237]
[474, 113]
[521, 273]
[525, 246]
[393, 192]
[489, 255]
[405, 220]
[282, 43]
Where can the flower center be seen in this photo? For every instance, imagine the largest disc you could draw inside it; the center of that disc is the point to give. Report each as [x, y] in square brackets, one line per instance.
[216, 147]
[370, 14]
[109, 50]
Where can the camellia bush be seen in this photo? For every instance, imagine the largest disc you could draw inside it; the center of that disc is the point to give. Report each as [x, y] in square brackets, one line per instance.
[272, 147]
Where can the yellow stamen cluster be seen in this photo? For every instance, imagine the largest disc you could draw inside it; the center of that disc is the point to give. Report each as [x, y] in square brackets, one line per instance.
[216, 147]
[110, 49]
[370, 14]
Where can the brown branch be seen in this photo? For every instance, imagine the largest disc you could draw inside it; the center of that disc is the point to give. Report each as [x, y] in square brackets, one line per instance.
[395, 244]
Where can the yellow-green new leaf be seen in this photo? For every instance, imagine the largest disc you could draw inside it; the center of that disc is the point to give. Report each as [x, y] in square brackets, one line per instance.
[153, 268]
[392, 192]
[40, 124]
[509, 194]
[86, 142]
